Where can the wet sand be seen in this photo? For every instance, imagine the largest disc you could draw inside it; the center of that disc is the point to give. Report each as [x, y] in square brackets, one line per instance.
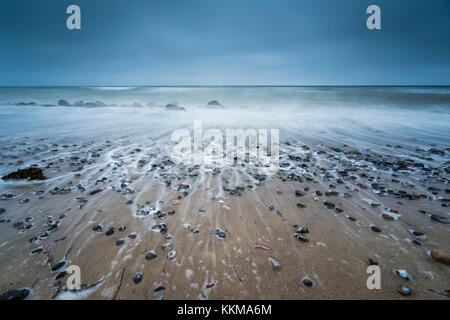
[253, 212]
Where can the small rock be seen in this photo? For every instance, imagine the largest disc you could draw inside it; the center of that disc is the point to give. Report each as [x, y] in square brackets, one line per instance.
[274, 264]
[58, 265]
[110, 231]
[95, 192]
[15, 294]
[60, 275]
[171, 254]
[159, 292]
[440, 257]
[98, 228]
[120, 242]
[29, 173]
[308, 282]
[439, 219]
[375, 228]
[221, 234]
[402, 274]
[150, 255]
[404, 290]
[387, 216]
[137, 278]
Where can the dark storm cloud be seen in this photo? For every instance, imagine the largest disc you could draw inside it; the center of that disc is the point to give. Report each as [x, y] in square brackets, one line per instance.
[224, 42]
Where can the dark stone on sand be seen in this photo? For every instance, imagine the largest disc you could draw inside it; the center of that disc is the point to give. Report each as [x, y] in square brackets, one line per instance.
[129, 202]
[375, 228]
[15, 294]
[299, 193]
[221, 234]
[329, 205]
[29, 173]
[307, 282]
[351, 218]
[301, 238]
[150, 255]
[63, 103]
[404, 290]
[339, 210]
[120, 242]
[439, 219]
[110, 231]
[58, 265]
[2, 210]
[318, 193]
[301, 205]
[95, 192]
[137, 278]
[98, 228]
[60, 275]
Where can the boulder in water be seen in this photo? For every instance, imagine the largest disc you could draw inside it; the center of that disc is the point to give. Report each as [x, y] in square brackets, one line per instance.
[215, 104]
[64, 103]
[174, 107]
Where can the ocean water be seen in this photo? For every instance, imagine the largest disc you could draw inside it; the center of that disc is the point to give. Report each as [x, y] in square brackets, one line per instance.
[362, 116]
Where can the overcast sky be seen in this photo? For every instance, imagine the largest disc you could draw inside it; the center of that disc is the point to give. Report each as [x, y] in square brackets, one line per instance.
[224, 42]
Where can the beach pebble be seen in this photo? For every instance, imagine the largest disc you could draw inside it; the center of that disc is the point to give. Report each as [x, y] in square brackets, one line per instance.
[274, 264]
[301, 205]
[329, 205]
[307, 282]
[110, 231]
[98, 228]
[137, 278]
[299, 193]
[404, 290]
[221, 234]
[120, 242]
[375, 228]
[95, 192]
[440, 256]
[58, 265]
[171, 254]
[60, 275]
[150, 255]
[36, 251]
[15, 294]
[402, 274]
[419, 235]
[2, 210]
[439, 219]
[132, 235]
[301, 238]
[159, 292]
[387, 216]
[122, 228]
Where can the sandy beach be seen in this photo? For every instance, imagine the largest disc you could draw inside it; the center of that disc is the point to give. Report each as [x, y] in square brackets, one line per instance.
[373, 195]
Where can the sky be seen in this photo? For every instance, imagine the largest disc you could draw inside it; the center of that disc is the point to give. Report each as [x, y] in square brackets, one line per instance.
[224, 42]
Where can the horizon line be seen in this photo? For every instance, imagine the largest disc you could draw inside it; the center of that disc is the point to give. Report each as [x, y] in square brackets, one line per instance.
[228, 85]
